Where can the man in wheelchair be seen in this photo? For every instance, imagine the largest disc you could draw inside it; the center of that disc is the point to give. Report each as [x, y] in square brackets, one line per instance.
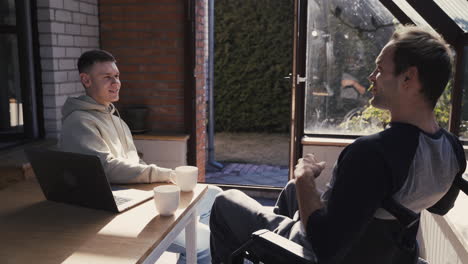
[380, 183]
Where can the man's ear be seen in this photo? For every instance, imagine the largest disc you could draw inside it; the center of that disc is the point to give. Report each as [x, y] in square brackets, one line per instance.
[412, 74]
[411, 78]
[85, 79]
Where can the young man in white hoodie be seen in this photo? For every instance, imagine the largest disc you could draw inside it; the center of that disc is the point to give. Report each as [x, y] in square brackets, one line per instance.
[89, 126]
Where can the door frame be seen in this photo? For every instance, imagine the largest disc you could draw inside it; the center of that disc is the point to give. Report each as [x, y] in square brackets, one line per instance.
[298, 84]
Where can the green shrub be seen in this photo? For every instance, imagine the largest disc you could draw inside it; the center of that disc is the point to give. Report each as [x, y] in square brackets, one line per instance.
[253, 54]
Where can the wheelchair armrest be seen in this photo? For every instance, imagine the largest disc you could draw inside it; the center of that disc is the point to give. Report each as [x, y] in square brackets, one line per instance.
[273, 248]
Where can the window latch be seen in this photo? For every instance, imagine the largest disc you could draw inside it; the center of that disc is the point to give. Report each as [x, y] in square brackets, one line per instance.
[301, 79]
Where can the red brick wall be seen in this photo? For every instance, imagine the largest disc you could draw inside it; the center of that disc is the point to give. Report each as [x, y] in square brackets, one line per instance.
[201, 58]
[147, 39]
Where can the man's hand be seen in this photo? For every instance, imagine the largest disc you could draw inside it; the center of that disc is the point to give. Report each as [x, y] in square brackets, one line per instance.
[307, 169]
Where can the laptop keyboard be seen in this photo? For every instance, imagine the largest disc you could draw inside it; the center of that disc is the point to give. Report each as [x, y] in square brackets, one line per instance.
[121, 200]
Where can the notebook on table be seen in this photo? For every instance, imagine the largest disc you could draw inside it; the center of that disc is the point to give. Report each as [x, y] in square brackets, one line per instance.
[79, 179]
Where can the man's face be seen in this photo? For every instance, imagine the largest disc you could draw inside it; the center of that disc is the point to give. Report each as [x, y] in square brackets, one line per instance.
[385, 83]
[102, 82]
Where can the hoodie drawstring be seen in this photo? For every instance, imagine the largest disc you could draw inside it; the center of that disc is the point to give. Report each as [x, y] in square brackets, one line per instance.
[121, 127]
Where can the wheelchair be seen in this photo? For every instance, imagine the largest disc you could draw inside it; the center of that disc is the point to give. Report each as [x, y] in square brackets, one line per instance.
[267, 247]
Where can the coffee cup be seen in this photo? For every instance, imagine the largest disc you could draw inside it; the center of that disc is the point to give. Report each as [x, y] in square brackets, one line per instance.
[166, 198]
[185, 177]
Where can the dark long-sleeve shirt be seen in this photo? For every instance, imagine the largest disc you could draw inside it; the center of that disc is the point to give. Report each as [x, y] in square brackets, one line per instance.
[415, 168]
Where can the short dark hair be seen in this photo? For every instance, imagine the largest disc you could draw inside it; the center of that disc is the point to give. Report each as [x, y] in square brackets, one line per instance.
[429, 53]
[87, 59]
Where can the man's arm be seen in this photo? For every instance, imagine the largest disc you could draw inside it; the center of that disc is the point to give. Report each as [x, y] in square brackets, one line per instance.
[308, 197]
[81, 135]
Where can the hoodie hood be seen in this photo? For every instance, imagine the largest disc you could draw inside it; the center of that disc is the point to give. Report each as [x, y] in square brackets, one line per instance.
[84, 103]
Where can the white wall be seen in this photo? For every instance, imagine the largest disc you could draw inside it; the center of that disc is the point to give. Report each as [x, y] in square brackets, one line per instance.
[329, 154]
[67, 28]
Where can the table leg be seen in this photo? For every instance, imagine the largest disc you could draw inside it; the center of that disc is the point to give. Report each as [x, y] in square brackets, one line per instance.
[191, 239]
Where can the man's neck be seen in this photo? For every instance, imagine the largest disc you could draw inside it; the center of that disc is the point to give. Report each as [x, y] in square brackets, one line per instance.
[420, 116]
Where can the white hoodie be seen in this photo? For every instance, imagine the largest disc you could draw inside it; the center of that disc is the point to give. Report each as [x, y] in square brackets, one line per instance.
[91, 128]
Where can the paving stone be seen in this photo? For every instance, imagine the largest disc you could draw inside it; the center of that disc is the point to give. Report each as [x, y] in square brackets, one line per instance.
[228, 168]
[236, 170]
[252, 169]
[245, 168]
[250, 174]
[259, 169]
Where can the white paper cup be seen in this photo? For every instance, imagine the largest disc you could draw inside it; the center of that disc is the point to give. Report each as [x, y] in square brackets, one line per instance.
[166, 198]
[185, 177]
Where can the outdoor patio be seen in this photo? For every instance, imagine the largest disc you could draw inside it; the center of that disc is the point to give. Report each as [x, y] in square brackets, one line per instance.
[248, 174]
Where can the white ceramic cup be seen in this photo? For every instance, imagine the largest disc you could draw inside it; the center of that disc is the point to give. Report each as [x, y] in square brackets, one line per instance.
[166, 198]
[185, 177]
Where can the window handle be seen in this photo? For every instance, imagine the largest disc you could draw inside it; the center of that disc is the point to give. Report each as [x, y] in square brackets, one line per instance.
[301, 79]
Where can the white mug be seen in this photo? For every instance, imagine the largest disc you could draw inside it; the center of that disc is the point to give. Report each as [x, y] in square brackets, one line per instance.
[166, 198]
[185, 177]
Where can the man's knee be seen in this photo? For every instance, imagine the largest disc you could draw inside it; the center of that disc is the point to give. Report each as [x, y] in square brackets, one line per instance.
[225, 204]
[225, 198]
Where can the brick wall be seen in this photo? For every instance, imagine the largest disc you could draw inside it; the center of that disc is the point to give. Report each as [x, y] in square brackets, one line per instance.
[147, 38]
[67, 28]
[201, 73]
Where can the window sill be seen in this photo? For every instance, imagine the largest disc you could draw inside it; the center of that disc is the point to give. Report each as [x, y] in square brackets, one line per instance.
[330, 142]
[160, 136]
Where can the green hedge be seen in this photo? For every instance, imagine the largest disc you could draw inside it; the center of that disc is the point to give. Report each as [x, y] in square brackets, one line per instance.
[253, 54]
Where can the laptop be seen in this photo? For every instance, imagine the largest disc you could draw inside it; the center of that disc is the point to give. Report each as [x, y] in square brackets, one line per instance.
[79, 179]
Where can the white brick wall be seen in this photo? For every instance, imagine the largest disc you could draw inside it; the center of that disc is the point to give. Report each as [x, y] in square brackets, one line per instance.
[67, 28]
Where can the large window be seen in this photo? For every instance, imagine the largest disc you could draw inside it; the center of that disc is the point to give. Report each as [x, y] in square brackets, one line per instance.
[11, 111]
[18, 119]
[11, 116]
[344, 38]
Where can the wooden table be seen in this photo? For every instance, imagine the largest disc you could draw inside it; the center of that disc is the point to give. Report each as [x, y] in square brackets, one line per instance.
[34, 230]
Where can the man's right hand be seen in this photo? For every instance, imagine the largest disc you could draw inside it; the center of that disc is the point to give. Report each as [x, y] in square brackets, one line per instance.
[307, 169]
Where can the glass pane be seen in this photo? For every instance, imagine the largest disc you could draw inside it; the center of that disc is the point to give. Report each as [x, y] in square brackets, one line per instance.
[7, 12]
[11, 110]
[457, 10]
[464, 115]
[344, 39]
